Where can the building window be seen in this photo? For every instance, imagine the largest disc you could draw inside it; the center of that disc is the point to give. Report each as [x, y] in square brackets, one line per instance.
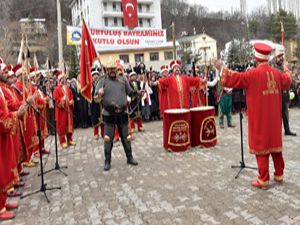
[139, 57]
[148, 8]
[149, 22]
[114, 5]
[121, 6]
[105, 6]
[106, 21]
[154, 56]
[125, 58]
[115, 22]
[140, 7]
[122, 22]
[140, 23]
[168, 55]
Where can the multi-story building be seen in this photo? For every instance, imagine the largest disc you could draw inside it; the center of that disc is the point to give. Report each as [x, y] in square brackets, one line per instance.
[36, 35]
[200, 46]
[108, 14]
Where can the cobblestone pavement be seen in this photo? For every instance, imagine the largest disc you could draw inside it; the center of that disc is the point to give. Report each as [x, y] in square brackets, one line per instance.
[193, 187]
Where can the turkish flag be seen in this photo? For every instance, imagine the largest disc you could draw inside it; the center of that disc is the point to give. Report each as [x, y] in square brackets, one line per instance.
[130, 13]
[87, 56]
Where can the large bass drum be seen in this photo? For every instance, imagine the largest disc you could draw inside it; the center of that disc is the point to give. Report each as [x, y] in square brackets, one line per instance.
[204, 133]
[176, 128]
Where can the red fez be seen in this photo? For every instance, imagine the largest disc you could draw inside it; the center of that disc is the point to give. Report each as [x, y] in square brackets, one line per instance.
[59, 75]
[262, 52]
[175, 63]
[17, 69]
[9, 68]
[164, 68]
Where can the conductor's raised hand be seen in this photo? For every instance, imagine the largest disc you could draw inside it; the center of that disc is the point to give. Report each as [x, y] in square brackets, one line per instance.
[218, 64]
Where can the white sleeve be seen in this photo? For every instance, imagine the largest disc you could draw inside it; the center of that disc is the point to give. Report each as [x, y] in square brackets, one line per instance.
[215, 81]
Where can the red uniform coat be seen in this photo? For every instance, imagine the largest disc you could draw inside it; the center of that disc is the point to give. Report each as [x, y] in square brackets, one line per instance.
[28, 126]
[63, 112]
[178, 90]
[263, 87]
[197, 96]
[8, 127]
[42, 107]
[13, 105]
[163, 100]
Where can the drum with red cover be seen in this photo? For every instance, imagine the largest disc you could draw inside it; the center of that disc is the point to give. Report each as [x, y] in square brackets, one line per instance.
[203, 127]
[176, 123]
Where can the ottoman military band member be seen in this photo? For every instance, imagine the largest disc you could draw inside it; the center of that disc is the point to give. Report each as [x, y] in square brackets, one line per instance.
[114, 91]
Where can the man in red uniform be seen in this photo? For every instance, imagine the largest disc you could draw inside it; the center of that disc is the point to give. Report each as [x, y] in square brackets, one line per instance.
[8, 168]
[13, 105]
[28, 122]
[263, 86]
[64, 106]
[178, 86]
[41, 104]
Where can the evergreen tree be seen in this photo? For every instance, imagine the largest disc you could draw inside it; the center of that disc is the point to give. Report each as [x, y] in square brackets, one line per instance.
[73, 62]
[233, 55]
[289, 23]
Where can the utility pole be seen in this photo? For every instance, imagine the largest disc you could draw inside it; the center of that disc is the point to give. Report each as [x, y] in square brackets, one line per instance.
[59, 32]
[174, 40]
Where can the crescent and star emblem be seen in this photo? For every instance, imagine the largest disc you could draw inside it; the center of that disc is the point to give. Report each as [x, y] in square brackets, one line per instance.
[127, 6]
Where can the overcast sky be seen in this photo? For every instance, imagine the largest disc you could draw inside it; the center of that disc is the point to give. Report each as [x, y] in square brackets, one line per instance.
[216, 5]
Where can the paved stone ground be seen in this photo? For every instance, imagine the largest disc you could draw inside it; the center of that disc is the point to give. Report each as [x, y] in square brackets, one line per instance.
[193, 187]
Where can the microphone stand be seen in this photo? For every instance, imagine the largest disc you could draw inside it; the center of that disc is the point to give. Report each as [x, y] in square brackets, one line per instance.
[43, 187]
[57, 166]
[242, 162]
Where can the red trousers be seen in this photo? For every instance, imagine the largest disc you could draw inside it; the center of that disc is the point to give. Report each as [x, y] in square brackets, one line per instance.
[139, 123]
[36, 148]
[62, 139]
[117, 135]
[3, 198]
[263, 166]
[96, 131]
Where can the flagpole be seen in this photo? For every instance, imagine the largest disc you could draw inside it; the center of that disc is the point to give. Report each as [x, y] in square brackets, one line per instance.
[282, 41]
[59, 33]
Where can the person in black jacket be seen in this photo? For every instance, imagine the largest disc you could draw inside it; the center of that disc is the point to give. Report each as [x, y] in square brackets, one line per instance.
[285, 96]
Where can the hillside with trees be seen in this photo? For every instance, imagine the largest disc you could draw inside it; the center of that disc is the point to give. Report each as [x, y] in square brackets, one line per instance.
[222, 25]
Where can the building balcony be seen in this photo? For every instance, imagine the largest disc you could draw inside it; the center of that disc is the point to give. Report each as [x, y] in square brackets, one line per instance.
[144, 15]
[138, 1]
[117, 14]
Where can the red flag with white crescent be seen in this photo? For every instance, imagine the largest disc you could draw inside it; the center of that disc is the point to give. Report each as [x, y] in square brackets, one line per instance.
[87, 56]
[130, 13]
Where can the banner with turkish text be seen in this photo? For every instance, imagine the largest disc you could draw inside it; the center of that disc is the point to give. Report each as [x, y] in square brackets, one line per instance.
[109, 39]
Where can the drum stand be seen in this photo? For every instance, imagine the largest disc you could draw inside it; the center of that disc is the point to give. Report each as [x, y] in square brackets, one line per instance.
[242, 163]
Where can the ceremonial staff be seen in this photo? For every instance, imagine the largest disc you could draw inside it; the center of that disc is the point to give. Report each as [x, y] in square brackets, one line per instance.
[206, 87]
[282, 42]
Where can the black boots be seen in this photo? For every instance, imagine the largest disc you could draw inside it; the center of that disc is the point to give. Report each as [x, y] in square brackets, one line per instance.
[132, 161]
[290, 133]
[107, 165]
